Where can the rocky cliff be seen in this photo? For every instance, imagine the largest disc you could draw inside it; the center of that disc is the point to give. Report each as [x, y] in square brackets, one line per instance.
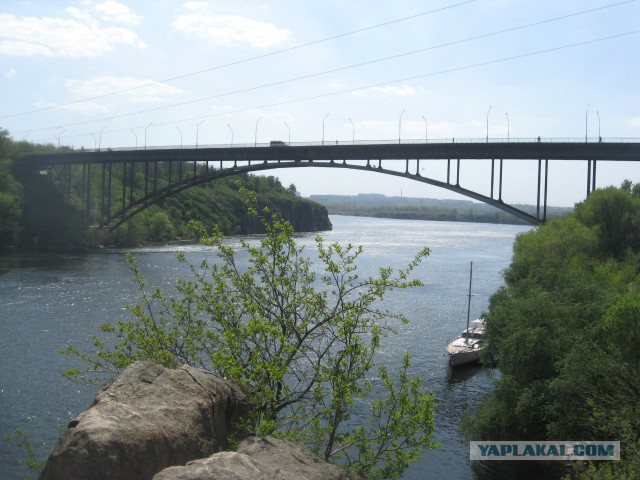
[162, 424]
[148, 419]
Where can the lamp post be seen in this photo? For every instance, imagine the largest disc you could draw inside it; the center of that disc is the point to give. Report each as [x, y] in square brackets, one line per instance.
[599, 136]
[255, 138]
[145, 135]
[135, 135]
[231, 133]
[400, 126]
[426, 130]
[586, 124]
[488, 123]
[289, 129]
[508, 128]
[325, 117]
[197, 131]
[59, 135]
[95, 141]
[179, 130]
[353, 133]
[100, 137]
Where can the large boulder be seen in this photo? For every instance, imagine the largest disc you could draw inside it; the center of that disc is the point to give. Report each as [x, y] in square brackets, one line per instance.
[258, 458]
[148, 419]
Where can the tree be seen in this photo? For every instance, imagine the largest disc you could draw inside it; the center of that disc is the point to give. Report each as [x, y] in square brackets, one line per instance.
[615, 212]
[302, 344]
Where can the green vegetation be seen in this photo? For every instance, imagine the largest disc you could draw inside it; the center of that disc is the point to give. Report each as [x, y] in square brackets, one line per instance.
[21, 440]
[300, 336]
[565, 331]
[406, 208]
[55, 208]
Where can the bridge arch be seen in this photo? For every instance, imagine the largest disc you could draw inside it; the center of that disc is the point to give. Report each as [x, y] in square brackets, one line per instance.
[209, 175]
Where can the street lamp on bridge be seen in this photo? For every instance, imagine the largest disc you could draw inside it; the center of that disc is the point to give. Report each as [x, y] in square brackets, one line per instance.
[353, 133]
[325, 117]
[586, 124]
[197, 131]
[507, 114]
[599, 136]
[135, 135]
[59, 135]
[426, 130]
[100, 137]
[178, 128]
[255, 138]
[289, 129]
[145, 135]
[488, 123]
[400, 126]
[231, 133]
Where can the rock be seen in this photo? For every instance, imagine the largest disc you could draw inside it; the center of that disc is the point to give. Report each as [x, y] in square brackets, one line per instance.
[258, 458]
[148, 419]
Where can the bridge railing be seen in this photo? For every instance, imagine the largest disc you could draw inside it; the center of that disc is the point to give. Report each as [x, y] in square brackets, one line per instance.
[379, 142]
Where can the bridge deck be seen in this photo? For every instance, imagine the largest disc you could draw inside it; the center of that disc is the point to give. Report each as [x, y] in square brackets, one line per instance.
[506, 151]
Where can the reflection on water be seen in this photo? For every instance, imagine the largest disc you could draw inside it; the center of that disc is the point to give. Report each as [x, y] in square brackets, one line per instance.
[463, 373]
[51, 300]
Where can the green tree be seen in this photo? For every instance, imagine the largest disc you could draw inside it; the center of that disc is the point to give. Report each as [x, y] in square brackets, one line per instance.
[616, 214]
[302, 344]
[564, 332]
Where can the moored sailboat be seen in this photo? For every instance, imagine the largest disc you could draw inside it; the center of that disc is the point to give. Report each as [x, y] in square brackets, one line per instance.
[467, 347]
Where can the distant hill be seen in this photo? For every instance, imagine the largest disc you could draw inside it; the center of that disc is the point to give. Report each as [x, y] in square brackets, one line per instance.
[381, 206]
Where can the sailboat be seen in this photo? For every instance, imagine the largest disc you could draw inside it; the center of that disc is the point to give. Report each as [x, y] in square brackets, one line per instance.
[467, 347]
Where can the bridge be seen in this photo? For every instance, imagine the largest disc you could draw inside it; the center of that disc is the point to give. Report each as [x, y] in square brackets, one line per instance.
[187, 167]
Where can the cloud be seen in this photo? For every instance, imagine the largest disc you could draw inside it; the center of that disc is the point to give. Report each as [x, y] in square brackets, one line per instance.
[10, 73]
[112, 11]
[84, 108]
[227, 30]
[79, 35]
[393, 90]
[154, 93]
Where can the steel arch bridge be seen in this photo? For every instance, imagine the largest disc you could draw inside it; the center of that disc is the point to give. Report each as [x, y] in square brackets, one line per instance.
[187, 167]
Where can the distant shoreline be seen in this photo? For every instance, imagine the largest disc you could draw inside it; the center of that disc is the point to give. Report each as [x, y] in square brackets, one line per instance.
[410, 208]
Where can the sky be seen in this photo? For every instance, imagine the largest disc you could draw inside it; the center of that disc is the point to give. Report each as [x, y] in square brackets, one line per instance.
[88, 73]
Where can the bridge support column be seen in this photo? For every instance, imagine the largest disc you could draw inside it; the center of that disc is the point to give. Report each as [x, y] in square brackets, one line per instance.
[88, 193]
[500, 183]
[124, 186]
[546, 183]
[109, 194]
[493, 161]
[103, 182]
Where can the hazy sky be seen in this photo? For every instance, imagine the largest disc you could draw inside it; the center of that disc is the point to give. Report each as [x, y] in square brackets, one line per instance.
[88, 71]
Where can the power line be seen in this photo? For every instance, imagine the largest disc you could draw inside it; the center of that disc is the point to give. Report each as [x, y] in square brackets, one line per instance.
[361, 64]
[381, 84]
[238, 62]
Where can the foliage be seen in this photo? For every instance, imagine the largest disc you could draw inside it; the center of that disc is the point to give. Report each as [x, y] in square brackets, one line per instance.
[615, 213]
[31, 461]
[300, 339]
[75, 200]
[564, 332]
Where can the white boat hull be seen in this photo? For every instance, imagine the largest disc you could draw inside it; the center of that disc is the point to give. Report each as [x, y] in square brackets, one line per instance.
[463, 358]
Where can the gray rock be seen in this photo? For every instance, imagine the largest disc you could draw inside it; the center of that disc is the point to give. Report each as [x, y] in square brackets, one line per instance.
[148, 419]
[258, 458]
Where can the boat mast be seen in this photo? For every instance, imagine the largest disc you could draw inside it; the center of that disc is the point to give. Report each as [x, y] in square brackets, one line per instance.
[469, 301]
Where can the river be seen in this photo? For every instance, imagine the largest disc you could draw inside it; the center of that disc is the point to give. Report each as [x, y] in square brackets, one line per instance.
[49, 300]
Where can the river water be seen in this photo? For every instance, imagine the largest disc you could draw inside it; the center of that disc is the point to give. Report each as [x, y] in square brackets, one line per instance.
[50, 300]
